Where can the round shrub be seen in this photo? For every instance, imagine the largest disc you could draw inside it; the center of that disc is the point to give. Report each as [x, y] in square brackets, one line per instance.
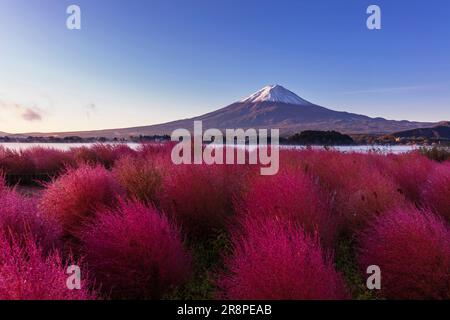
[140, 177]
[27, 274]
[73, 198]
[48, 161]
[361, 191]
[436, 191]
[19, 217]
[13, 162]
[197, 198]
[3, 186]
[293, 196]
[155, 150]
[412, 249]
[369, 195]
[135, 253]
[410, 171]
[101, 154]
[277, 261]
[332, 168]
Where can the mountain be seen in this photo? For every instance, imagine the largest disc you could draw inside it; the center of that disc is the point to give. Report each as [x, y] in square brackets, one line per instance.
[277, 107]
[439, 132]
[271, 107]
[276, 93]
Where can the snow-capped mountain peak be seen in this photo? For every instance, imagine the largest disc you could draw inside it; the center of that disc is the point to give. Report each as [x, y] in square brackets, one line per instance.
[275, 93]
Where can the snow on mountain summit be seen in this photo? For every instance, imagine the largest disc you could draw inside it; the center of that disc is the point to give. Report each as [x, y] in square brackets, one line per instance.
[275, 93]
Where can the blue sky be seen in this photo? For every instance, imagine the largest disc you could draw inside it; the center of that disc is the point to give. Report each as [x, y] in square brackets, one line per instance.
[139, 62]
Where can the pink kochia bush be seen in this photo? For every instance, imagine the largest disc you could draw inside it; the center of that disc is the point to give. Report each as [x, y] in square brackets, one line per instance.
[103, 154]
[293, 196]
[369, 196]
[34, 161]
[278, 261]
[47, 160]
[436, 191]
[14, 163]
[19, 217]
[140, 177]
[135, 253]
[410, 171]
[27, 274]
[73, 198]
[198, 198]
[361, 191]
[412, 249]
[3, 186]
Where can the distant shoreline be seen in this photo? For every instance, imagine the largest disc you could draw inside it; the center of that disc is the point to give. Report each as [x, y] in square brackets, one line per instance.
[353, 147]
[421, 137]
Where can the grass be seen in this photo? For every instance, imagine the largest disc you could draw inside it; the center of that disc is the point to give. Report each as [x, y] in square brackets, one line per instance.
[208, 259]
[345, 260]
[439, 154]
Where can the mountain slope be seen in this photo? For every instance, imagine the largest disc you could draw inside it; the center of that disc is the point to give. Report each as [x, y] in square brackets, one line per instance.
[271, 107]
[441, 131]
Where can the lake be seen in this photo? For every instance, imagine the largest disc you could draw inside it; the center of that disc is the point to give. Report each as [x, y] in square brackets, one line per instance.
[361, 149]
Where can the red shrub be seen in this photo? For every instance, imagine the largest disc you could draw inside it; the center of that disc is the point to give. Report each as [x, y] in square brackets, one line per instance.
[26, 274]
[19, 217]
[83, 155]
[123, 150]
[141, 178]
[198, 198]
[410, 171]
[47, 161]
[13, 163]
[152, 150]
[333, 168]
[361, 191]
[276, 261]
[294, 196]
[74, 197]
[34, 161]
[135, 253]
[3, 186]
[293, 158]
[412, 249]
[367, 197]
[436, 191]
[104, 154]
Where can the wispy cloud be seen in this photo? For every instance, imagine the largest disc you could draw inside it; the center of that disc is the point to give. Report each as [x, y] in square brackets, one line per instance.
[395, 89]
[30, 114]
[26, 113]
